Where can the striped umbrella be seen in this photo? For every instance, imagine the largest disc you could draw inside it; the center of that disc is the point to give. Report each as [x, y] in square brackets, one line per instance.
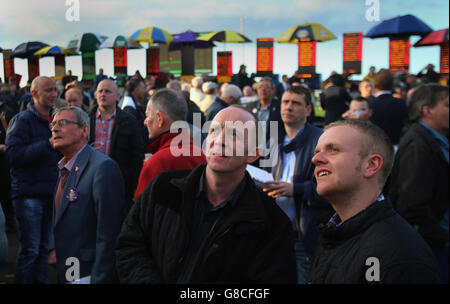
[120, 41]
[306, 31]
[53, 50]
[152, 35]
[224, 37]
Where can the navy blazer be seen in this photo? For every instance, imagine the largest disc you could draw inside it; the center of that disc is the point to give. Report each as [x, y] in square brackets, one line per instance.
[87, 228]
[390, 114]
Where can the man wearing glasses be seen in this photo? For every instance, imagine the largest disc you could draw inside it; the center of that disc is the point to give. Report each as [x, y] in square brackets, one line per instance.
[33, 177]
[89, 204]
[267, 109]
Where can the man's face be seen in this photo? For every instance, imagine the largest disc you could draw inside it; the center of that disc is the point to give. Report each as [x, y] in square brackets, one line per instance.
[107, 95]
[68, 139]
[440, 115]
[362, 107]
[74, 99]
[231, 142]
[151, 121]
[265, 90]
[294, 110]
[365, 88]
[45, 93]
[338, 162]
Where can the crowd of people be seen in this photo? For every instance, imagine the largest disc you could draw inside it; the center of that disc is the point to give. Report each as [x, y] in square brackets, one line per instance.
[148, 182]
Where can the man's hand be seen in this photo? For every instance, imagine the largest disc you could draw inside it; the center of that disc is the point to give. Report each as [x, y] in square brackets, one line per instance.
[2, 148]
[277, 189]
[52, 257]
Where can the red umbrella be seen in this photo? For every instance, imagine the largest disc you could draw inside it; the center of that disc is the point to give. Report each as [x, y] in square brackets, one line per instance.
[434, 38]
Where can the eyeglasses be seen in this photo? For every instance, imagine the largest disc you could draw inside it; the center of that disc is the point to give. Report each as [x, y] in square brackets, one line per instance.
[63, 122]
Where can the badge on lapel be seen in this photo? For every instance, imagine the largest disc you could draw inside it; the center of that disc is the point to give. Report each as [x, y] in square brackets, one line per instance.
[72, 193]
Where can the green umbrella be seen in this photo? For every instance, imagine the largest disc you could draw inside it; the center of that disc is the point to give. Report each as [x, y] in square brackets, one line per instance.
[87, 42]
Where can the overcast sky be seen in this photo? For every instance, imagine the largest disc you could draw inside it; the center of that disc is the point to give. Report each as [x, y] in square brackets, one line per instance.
[45, 20]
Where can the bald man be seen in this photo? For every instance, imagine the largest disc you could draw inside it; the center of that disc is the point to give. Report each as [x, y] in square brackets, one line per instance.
[210, 224]
[115, 133]
[34, 173]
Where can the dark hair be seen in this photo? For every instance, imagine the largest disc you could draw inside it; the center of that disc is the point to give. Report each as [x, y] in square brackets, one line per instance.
[132, 84]
[424, 95]
[337, 80]
[384, 80]
[301, 90]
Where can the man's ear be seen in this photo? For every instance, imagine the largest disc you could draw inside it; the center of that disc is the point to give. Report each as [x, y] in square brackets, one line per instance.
[308, 110]
[373, 165]
[160, 119]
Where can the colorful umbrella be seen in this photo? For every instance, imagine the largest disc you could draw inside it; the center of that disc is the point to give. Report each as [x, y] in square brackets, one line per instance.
[87, 42]
[188, 38]
[27, 49]
[120, 41]
[54, 50]
[224, 36]
[152, 35]
[306, 32]
[433, 38]
[406, 25]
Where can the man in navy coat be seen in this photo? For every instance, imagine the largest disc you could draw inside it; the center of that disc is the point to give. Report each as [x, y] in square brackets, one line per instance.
[89, 204]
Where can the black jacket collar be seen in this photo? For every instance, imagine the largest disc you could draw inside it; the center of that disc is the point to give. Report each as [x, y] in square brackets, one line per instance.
[356, 225]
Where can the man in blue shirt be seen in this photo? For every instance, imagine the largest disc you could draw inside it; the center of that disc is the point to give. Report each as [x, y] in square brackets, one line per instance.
[419, 179]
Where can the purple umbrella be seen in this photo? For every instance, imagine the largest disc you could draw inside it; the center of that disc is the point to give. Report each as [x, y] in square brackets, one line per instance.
[188, 38]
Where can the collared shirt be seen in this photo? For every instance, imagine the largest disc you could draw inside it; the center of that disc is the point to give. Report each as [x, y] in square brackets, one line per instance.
[103, 130]
[263, 114]
[205, 218]
[287, 203]
[63, 163]
[335, 220]
[382, 93]
[442, 140]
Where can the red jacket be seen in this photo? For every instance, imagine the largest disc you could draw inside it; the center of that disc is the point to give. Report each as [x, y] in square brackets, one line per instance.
[185, 156]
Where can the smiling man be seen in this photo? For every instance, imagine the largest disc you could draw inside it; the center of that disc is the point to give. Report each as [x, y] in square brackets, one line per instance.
[210, 224]
[89, 204]
[365, 241]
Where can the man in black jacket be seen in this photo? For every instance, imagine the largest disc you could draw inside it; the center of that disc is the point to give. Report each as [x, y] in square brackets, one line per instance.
[419, 180]
[211, 225]
[389, 113]
[335, 99]
[365, 241]
[115, 133]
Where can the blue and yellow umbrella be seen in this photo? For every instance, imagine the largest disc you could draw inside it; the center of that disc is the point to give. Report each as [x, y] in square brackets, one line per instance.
[152, 35]
[224, 36]
[53, 50]
[306, 32]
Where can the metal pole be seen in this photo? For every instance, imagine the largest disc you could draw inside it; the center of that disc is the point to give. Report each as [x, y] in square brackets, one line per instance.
[243, 44]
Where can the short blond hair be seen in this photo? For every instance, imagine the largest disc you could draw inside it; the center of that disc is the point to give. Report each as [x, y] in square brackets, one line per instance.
[374, 141]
